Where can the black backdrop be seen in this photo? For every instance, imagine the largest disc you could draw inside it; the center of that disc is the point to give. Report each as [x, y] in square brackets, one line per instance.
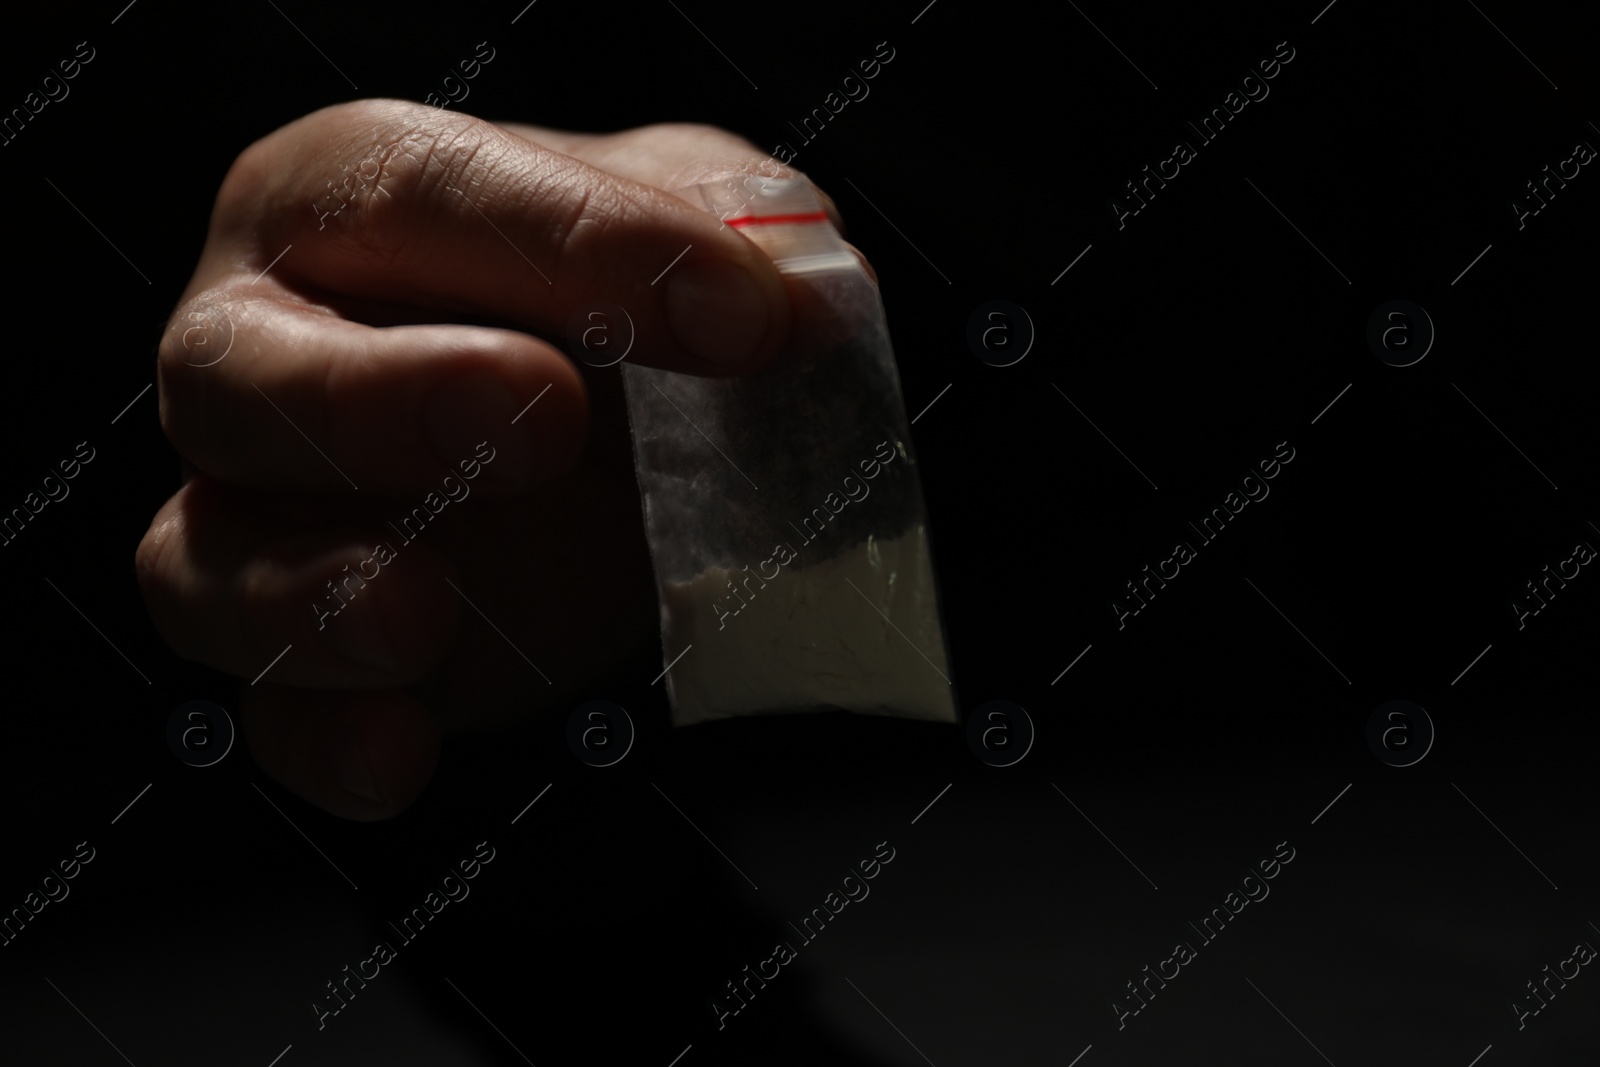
[1174, 754]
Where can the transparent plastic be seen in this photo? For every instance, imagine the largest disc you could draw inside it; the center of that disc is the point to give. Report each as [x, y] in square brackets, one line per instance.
[784, 510]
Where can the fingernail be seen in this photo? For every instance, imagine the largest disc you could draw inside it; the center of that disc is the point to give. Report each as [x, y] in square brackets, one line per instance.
[352, 772]
[474, 410]
[357, 634]
[717, 311]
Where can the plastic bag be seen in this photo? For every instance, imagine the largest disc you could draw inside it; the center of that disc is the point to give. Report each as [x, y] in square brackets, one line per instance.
[783, 509]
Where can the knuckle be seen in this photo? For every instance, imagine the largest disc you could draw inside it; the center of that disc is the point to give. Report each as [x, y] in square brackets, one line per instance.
[343, 172]
[244, 186]
[402, 175]
[580, 222]
[201, 334]
[691, 130]
[257, 610]
[257, 596]
[156, 563]
[150, 557]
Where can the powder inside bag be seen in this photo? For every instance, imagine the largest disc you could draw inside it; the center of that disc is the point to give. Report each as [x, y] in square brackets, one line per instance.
[858, 631]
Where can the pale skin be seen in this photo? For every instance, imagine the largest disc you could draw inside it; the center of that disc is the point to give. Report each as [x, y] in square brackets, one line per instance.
[458, 258]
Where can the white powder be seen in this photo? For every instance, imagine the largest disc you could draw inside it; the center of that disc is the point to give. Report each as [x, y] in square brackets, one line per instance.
[808, 640]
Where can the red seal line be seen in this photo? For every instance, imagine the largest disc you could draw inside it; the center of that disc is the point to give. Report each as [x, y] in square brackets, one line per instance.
[761, 220]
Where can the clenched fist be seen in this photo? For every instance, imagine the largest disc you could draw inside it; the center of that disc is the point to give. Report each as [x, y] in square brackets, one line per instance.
[393, 468]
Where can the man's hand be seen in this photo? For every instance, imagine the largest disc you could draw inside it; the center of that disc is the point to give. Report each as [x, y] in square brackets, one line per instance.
[384, 299]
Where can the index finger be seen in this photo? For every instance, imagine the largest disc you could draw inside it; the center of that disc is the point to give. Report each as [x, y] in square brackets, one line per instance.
[406, 204]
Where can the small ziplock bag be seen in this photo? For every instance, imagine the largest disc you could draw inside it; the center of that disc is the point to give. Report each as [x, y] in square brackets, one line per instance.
[783, 509]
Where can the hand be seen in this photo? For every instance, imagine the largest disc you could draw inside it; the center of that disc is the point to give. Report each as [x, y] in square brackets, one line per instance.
[370, 374]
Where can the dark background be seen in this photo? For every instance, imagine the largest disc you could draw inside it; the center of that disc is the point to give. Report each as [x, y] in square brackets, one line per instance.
[1196, 739]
